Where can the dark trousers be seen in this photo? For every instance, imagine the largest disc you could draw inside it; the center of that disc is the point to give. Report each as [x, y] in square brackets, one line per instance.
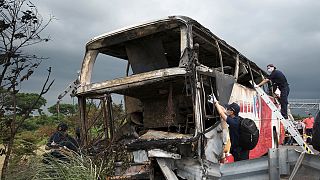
[284, 101]
[240, 154]
[309, 134]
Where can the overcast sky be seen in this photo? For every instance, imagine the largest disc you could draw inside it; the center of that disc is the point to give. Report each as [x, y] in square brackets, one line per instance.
[285, 33]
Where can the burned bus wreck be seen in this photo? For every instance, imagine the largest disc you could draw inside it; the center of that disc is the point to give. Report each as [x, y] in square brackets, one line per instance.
[173, 65]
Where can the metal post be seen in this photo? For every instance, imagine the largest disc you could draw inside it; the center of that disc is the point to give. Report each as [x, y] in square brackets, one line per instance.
[82, 120]
[110, 115]
[105, 117]
[250, 72]
[273, 164]
[220, 56]
[236, 71]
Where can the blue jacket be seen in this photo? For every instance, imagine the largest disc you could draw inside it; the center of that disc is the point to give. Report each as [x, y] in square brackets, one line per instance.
[63, 140]
[234, 126]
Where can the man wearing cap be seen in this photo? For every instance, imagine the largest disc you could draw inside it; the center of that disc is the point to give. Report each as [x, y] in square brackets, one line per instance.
[278, 81]
[231, 116]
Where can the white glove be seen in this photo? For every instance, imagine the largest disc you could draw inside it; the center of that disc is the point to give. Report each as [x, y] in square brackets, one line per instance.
[212, 98]
[255, 86]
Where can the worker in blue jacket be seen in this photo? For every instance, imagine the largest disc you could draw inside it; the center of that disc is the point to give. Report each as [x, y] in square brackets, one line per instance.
[231, 116]
[279, 81]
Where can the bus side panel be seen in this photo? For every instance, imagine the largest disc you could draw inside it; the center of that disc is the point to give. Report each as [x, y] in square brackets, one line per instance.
[265, 137]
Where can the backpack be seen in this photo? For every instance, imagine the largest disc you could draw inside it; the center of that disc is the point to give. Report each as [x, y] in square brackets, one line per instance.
[248, 134]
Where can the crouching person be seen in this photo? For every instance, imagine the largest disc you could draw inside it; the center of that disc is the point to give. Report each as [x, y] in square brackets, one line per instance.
[61, 139]
[231, 117]
[60, 144]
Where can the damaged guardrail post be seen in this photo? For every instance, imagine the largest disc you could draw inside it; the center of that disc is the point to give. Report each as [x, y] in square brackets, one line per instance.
[273, 164]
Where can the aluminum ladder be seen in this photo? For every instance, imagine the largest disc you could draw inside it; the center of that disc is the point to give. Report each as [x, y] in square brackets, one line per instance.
[288, 125]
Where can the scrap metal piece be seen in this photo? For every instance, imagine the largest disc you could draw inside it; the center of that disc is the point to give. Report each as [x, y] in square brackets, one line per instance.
[140, 156]
[214, 144]
[159, 153]
[167, 172]
[191, 169]
[152, 134]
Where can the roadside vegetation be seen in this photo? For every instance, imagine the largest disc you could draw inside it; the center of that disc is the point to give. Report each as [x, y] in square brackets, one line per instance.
[27, 157]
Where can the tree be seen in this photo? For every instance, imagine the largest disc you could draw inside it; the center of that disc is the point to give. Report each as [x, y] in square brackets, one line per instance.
[65, 109]
[24, 100]
[20, 27]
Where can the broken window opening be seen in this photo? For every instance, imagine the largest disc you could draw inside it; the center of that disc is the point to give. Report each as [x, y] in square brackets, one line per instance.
[108, 67]
[209, 53]
[209, 87]
[102, 120]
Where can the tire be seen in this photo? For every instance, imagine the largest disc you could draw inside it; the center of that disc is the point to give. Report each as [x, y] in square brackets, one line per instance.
[316, 133]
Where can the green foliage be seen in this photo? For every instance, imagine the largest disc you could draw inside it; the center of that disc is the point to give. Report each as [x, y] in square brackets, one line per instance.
[25, 144]
[65, 109]
[298, 117]
[24, 103]
[35, 131]
[79, 167]
[34, 123]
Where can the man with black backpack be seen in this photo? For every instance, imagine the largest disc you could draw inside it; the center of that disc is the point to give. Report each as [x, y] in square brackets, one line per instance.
[231, 116]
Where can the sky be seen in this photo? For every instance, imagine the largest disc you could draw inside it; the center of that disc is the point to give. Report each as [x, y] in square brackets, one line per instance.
[285, 33]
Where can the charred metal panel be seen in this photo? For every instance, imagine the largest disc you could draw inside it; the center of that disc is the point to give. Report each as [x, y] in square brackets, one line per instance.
[146, 55]
[159, 153]
[166, 111]
[135, 171]
[152, 134]
[132, 105]
[160, 140]
[224, 85]
[127, 34]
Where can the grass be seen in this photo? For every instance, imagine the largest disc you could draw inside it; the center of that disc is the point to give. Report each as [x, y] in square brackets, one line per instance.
[76, 166]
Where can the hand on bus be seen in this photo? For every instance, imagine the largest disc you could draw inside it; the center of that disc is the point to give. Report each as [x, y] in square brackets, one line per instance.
[212, 99]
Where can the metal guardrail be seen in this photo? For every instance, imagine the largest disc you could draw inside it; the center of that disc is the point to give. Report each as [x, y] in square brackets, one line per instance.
[307, 167]
[280, 163]
[314, 101]
[304, 104]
